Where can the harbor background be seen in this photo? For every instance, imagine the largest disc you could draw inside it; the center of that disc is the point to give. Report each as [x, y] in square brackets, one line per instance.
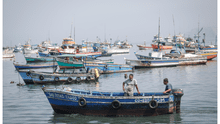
[28, 104]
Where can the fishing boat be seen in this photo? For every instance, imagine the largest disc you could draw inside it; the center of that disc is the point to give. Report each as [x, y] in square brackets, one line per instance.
[114, 49]
[108, 67]
[143, 47]
[210, 55]
[175, 58]
[18, 48]
[39, 59]
[34, 66]
[212, 48]
[64, 76]
[161, 47]
[96, 103]
[8, 55]
[77, 61]
[151, 63]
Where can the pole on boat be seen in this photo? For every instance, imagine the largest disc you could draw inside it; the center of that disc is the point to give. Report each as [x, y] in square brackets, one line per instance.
[174, 32]
[158, 35]
[204, 39]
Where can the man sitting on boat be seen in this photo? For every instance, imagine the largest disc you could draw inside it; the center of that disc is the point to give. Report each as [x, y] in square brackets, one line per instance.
[130, 86]
[168, 88]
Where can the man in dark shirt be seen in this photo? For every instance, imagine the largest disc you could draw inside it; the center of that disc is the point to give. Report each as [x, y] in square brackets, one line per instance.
[168, 88]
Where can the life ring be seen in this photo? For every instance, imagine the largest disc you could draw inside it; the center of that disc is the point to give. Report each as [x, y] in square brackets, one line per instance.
[56, 79]
[82, 102]
[41, 77]
[116, 104]
[28, 73]
[69, 79]
[153, 104]
[78, 79]
[88, 78]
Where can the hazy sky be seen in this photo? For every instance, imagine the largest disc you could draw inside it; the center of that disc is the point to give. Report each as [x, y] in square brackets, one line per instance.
[136, 19]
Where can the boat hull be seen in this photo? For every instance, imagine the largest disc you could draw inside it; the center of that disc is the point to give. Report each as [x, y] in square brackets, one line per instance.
[27, 79]
[101, 103]
[32, 59]
[154, 46]
[106, 68]
[62, 78]
[210, 57]
[18, 66]
[152, 63]
[63, 65]
[72, 64]
[143, 47]
[193, 61]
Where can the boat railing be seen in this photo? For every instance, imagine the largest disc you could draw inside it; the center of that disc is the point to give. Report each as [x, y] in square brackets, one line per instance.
[96, 93]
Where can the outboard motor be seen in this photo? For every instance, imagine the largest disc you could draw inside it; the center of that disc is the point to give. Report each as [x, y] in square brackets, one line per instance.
[178, 93]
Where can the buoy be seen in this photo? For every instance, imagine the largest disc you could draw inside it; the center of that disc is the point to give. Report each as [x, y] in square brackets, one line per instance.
[19, 84]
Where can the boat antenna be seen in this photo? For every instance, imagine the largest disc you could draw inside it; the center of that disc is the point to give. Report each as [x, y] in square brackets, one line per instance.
[71, 30]
[174, 32]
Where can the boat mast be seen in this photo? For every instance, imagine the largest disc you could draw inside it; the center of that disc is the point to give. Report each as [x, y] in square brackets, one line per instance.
[71, 30]
[74, 29]
[74, 34]
[174, 32]
[158, 35]
[105, 33]
[198, 37]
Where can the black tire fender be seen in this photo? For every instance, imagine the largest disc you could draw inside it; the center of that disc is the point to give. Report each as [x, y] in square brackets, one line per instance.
[82, 102]
[69, 79]
[28, 73]
[78, 79]
[88, 78]
[116, 104]
[56, 78]
[41, 77]
[153, 104]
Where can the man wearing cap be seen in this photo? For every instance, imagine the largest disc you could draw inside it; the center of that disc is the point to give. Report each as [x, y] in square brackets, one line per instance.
[168, 88]
[130, 86]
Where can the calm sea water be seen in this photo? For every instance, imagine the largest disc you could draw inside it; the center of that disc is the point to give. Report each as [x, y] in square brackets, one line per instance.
[28, 104]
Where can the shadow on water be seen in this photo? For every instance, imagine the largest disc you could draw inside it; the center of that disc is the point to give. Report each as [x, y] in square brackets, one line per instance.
[77, 118]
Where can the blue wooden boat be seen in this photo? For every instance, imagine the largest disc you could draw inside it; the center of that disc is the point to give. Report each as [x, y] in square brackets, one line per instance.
[39, 59]
[95, 103]
[34, 66]
[108, 67]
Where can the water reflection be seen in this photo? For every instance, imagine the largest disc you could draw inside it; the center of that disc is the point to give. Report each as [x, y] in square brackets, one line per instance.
[77, 118]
